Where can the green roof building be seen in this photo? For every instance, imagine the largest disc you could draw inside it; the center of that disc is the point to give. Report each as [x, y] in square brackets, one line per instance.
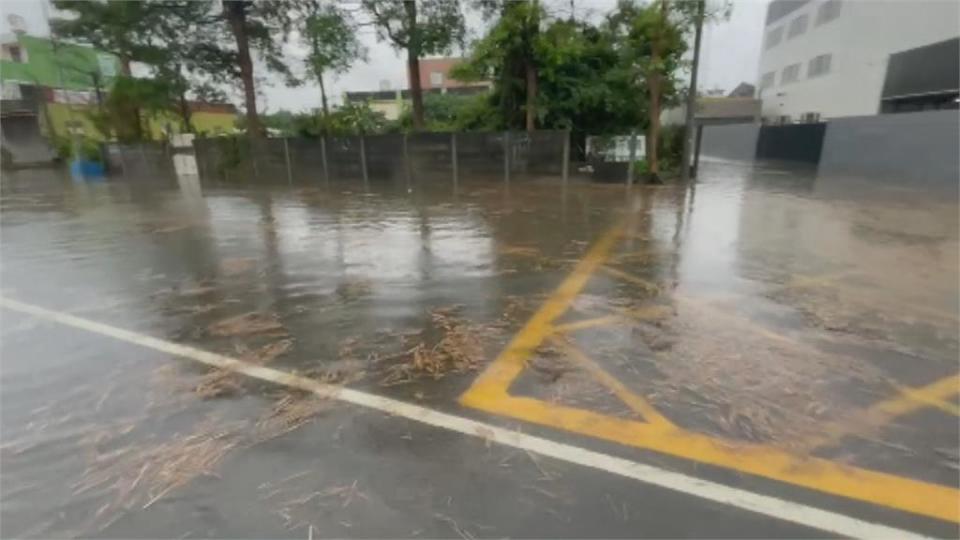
[36, 61]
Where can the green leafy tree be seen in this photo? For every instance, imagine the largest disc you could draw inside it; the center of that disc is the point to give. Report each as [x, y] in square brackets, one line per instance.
[655, 43]
[419, 27]
[119, 113]
[653, 37]
[262, 26]
[350, 119]
[585, 85]
[170, 37]
[331, 37]
[114, 26]
[442, 112]
[584, 82]
[508, 54]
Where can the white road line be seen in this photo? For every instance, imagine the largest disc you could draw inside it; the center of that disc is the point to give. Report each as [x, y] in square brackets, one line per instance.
[808, 516]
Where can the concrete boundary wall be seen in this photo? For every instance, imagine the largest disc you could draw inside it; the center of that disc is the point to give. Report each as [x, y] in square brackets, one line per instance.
[920, 148]
[732, 141]
[909, 149]
[395, 156]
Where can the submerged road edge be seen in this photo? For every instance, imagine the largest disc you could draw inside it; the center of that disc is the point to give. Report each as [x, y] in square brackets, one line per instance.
[756, 503]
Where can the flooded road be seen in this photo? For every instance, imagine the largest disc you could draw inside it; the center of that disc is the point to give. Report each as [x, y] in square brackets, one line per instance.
[792, 335]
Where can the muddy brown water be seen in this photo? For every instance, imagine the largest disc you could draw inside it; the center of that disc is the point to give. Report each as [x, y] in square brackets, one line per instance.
[790, 302]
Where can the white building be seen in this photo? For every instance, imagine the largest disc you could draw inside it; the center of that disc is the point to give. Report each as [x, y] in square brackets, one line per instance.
[823, 59]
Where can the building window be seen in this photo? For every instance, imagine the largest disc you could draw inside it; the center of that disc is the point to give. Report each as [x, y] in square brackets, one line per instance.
[790, 74]
[819, 65]
[797, 26]
[828, 11]
[774, 37]
[436, 79]
[766, 81]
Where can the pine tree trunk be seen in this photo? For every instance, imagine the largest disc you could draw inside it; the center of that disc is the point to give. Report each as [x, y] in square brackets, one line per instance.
[185, 113]
[323, 96]
[533, 29]
[531, 96]
[237, 16]
[656, 90]
[136, 121]
[413, 64]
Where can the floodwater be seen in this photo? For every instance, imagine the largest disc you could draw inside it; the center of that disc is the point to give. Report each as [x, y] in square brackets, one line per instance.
[759, 306]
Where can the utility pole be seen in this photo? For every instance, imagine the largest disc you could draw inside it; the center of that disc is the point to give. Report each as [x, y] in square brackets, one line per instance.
[692, 93]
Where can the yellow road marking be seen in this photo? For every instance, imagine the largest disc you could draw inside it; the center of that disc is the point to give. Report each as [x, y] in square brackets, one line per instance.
[933, 398]
[740, 320]
[879, 414]
[645, 313]
[798, 281]
[838, 524]
[822, 475]
[646, 285]
[490, 392]
[499, 375]
[635, 402]
[912, 399]
[588, 323]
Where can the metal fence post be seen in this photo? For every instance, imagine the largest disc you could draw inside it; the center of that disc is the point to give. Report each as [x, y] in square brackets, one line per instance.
[253, 158]
[406, 162]
[363, 161]
[453, 160]
[323, 157]
[566, 156]
[123, 162]
[506, 157]
[633, 157]
[696, 152]
[286, 156]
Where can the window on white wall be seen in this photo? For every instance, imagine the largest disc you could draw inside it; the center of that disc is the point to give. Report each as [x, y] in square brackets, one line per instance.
[766, 81]
[790, 74]
[828, 11]
[819, 65]
[774, 37]
[798, 26]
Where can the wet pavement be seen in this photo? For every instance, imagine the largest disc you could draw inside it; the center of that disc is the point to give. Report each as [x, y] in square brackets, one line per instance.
[784, 334]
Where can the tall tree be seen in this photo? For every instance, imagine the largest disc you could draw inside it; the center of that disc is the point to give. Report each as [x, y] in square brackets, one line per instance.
[331, 37]
[531, 25]
[115, 26]
[510, 53]
[651, 39]
[584, 81]
[420, 28]
[170, 37]
[653, 36]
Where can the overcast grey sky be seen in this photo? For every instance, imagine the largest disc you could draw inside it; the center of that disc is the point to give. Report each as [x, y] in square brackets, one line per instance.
[730, 52]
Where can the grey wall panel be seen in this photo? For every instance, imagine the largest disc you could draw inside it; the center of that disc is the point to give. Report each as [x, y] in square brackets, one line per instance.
[915, 149]
[737, 141]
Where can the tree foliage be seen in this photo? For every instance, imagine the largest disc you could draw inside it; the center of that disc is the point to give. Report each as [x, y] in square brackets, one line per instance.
[419, 27]
[508, 54]
[349, 119]
[331, 38]
[584, 81]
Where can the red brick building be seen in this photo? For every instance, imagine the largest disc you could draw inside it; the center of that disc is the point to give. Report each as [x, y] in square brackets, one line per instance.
[435, 74]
